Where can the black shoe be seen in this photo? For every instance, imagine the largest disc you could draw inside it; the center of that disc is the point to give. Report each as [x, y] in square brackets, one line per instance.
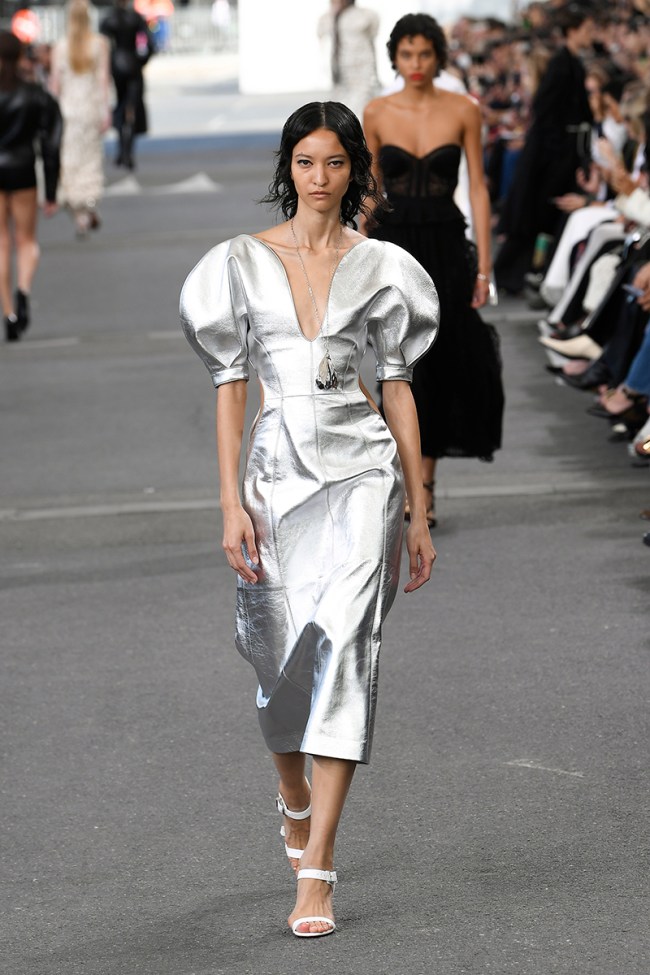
[620, 434]
[12, 329]
[22, 310]
[568, 332]
[633, 416]
[646, 538]
[596, 375]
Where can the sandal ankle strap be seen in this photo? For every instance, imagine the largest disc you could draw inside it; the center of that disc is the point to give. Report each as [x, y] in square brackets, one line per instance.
[329, 876]
[282, 808]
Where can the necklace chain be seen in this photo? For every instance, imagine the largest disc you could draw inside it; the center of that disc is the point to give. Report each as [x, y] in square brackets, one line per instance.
[322, 322]
[326, 377]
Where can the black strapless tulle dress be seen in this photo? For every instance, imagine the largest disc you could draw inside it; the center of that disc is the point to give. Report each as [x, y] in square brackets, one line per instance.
[457, 384]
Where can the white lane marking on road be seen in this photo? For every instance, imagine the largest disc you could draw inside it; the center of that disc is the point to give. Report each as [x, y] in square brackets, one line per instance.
[524, 763]
[216, 123]
[101, 510]
[44, 343]
[198, 183]
[128, 186]
[560, 486]
[206, 504]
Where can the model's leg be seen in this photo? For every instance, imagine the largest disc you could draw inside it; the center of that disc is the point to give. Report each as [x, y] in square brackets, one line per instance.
[81, 219]
[127, 132]
[5, 257]
[294, 789]
[331, 778]
[24, 212]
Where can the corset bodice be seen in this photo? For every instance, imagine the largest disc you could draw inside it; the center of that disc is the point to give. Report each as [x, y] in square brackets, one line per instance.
[433, 175]
[420, 189]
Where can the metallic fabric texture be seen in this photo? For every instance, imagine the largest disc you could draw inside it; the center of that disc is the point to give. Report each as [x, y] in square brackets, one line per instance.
[323, 482]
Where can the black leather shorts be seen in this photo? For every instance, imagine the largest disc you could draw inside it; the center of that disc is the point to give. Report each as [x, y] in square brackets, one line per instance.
[17, 178]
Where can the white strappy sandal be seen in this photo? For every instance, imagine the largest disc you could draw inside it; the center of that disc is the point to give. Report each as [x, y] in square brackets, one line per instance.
[282, 808]
[329, 876]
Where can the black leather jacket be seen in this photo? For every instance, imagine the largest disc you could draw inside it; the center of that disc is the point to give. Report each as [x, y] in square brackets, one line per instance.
[29, 116]
[122, 27]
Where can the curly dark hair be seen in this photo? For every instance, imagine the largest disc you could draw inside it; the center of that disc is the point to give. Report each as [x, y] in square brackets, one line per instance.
[414, 25]
[338, 118]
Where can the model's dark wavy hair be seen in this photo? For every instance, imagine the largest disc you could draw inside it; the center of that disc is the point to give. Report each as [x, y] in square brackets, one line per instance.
[414, 25]
[340, 120]
[10, 51]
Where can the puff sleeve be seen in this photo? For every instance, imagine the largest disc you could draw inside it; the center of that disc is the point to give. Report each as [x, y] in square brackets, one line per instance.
[214, 315]
[403, 319]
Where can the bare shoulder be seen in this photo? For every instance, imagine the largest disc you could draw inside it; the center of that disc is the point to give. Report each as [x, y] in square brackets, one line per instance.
[275, 236]
[352, 237]
[376, 108]
[469, 107]
[457, 100]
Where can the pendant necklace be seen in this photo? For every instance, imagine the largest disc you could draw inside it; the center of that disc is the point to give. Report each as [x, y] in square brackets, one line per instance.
[326, 377]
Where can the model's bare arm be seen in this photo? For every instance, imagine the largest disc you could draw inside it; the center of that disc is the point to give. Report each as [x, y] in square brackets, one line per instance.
[401, 416]
[479, 199]
[237, 525]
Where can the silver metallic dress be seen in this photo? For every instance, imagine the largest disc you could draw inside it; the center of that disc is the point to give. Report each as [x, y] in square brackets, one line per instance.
[323, 482]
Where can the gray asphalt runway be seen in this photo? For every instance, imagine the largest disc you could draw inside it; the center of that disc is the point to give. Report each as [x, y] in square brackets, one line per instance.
[502, 826]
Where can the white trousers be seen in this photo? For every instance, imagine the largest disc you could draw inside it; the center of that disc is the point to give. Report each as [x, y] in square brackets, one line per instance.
[577, 228]
[599, 236]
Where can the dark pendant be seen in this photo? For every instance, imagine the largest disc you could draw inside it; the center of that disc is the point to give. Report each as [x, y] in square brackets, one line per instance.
[326, 377]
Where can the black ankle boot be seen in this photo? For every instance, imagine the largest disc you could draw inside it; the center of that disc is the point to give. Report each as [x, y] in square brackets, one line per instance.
[22, 310]
[12, 330]
[126, 147]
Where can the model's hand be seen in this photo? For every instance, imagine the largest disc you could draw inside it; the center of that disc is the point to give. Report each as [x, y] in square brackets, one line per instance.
[50, 208]
[237, 531]
[421, 552]
[481, 293]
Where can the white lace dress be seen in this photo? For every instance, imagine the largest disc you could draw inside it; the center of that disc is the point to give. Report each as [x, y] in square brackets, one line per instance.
[82, 97]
